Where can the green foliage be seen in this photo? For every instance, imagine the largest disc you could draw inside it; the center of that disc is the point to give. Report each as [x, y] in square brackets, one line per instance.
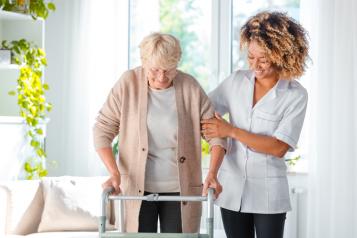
[36, 8]
[179, 19]
[31, 99]
[115, 146]
[2, 3]
[204, 148]
[292, 161]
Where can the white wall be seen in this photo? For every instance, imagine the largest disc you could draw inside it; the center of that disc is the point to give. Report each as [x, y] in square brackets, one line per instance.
[86, 45]
[55, 76]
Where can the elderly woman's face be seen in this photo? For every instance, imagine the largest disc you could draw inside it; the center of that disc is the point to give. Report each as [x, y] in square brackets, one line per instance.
[258, 62]
[160, 78]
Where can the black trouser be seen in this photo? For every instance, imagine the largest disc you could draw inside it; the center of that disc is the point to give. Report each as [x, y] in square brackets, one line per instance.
[169, 214]
[241, 225]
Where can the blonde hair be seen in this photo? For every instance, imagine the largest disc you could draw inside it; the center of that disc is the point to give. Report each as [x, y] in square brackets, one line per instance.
[161, 49]
[282, 38]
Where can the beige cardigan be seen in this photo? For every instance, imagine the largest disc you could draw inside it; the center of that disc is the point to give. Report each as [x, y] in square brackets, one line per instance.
[125, 111]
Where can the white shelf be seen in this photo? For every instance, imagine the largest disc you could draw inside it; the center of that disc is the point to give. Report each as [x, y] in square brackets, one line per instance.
[6, 15]
[11, 120]
[9, 66]
[18, 120]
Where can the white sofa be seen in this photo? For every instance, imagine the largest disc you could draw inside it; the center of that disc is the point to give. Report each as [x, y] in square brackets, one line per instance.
[58, 207]
[63, 207]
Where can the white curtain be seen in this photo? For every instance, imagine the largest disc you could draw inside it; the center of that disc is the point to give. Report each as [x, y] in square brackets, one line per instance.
[332, 115]
[91, 51]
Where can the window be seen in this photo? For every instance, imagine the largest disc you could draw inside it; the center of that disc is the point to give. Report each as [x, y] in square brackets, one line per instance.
[189, 21]
[209, 35]
[243, 9]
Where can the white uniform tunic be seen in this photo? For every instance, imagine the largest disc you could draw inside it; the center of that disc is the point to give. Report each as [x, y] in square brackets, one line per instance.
[255, 182]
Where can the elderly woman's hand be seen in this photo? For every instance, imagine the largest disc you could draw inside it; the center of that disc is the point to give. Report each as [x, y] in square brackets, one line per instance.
[211, 181]
[113, 181]
[216, 127]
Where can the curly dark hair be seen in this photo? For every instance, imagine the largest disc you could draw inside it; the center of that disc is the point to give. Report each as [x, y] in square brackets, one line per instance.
[283, 39]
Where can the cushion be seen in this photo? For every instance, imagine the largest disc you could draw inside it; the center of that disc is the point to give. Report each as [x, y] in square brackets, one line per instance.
[72, 204]
[24, 206]
[3, 209]
[13, 236]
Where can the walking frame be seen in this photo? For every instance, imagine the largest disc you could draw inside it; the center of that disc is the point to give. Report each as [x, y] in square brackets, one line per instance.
[153, 198]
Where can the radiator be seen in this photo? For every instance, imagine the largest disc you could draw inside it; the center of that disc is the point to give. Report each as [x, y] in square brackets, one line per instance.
[292, 226]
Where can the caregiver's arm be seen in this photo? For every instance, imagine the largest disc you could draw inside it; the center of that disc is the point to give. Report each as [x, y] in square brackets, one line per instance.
[218, 127]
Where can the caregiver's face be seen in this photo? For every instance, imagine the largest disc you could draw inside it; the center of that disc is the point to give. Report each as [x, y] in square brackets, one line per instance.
[259, 62]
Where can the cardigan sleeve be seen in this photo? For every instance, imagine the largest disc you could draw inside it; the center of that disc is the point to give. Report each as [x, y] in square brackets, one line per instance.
[107, 122]
[207, 112]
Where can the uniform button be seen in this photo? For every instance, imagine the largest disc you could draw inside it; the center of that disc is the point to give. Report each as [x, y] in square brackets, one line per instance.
[182, 159]
[184, 203]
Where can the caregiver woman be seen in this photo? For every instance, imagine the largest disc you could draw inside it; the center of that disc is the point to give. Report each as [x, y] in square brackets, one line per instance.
[266, 109]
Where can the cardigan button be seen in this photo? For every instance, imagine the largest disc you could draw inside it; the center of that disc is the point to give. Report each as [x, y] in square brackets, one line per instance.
[182, 159]
[184, 203]
[143, 149]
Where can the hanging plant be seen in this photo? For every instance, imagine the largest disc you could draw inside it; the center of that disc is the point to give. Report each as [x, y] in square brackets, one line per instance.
[36, 8]
[31, 99]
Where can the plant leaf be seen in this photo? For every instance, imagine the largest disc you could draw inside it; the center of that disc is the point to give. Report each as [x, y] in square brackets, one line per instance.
[39, 131]
[43, 173]
[51, 6]
[27, 167]
[12, 93]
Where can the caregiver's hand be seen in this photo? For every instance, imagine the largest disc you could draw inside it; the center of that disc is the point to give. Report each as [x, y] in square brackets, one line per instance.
[216, 127]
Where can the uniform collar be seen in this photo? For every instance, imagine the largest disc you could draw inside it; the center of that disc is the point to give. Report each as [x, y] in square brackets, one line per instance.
[278, 88]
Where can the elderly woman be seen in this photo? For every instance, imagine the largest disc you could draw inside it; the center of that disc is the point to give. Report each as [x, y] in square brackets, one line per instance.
[266, 109]
[156, 110]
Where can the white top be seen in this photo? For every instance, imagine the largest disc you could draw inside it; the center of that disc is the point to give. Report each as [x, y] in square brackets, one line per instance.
[161, 168]
[255, 182]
